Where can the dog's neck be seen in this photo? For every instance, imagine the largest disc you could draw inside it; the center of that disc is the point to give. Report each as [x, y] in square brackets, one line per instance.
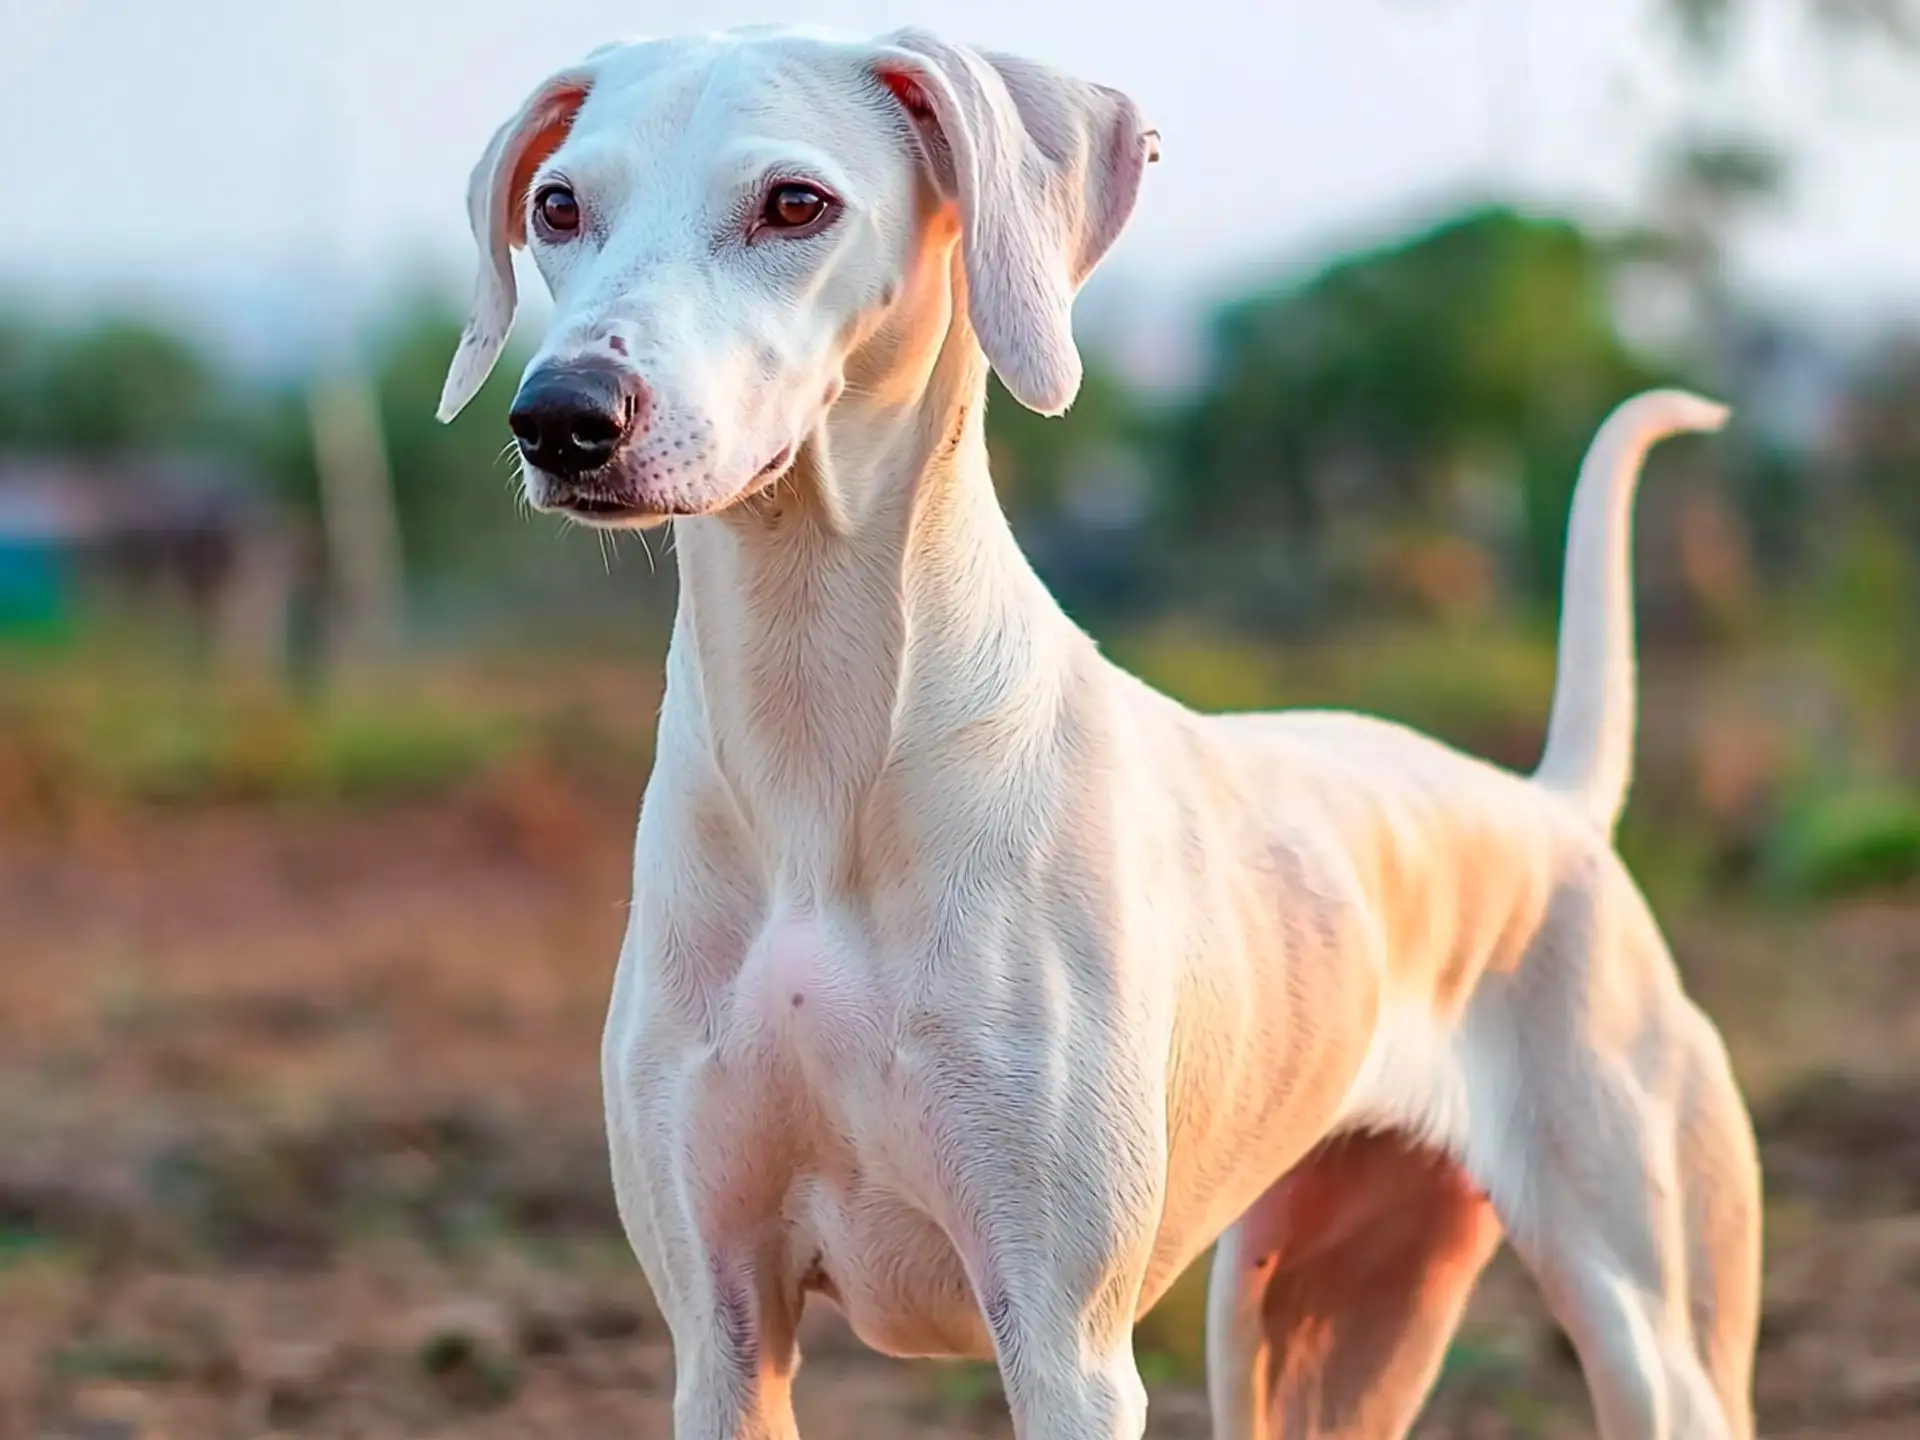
[858, 619]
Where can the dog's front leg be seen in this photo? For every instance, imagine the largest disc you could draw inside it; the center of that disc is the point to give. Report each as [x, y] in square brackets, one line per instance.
[734, 1361]
[1057, 1185]
[719, 1285]
[733, 1321]
[1061, 1316]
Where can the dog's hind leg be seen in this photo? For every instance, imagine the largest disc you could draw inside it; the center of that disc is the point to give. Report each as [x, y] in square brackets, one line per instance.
[1237, 1350]
[1722, 1214]
[1332, 1302]
[1634, 1200]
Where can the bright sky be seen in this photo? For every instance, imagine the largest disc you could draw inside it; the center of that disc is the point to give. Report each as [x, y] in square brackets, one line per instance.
[218, 147]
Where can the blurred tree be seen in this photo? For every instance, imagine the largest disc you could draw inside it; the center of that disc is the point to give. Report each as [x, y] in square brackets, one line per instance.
[1715, 173]
[1376, 386]
[1712, 173]
[1878, 564]
[1034, 457]
[1880, 438]
[19, 348]
[115, 385]
[128, 386]
[455, 488]
[1707, 26]
[1713, 170]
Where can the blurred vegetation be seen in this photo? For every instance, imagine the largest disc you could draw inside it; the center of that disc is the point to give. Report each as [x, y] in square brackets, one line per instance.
[1846, 838]
[110, 728]
[1708, 26]
[1481, 352]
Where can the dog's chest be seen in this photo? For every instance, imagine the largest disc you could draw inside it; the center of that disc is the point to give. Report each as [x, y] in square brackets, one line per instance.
[806, 1061]
[804, 1116]
[794, 1058]
[803, 998]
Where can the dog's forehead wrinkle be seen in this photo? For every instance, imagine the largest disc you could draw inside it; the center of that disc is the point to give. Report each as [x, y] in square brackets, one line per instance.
[589, 160]
[651, 108]
[782, 77]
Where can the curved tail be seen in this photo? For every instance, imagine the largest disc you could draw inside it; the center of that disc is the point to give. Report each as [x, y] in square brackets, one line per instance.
[1589, 752]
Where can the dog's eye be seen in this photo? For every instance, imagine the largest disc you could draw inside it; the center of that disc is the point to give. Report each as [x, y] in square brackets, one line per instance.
[558, 209]
[793, 206]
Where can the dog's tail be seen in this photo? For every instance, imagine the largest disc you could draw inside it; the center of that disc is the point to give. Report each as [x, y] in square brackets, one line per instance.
[1589, 752]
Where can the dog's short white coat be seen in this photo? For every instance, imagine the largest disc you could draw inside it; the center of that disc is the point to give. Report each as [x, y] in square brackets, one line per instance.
[973, 983]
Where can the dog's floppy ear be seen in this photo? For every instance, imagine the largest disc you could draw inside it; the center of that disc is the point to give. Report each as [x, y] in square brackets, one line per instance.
[1045, 170]
[497, 208]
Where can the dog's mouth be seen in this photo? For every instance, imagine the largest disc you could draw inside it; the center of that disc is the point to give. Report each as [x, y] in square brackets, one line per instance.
[600, 509]
[603, 505]
[776, 467]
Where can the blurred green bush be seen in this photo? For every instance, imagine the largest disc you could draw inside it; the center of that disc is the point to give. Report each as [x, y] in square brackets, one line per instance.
[1855, 836]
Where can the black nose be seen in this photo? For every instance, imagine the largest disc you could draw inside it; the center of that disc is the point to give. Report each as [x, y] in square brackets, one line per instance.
[573, 418]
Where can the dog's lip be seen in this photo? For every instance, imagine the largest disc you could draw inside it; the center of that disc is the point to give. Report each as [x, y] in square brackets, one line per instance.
[597, 506]
[779, 463]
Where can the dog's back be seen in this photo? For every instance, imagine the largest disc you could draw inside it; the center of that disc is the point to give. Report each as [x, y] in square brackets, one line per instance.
[1458, 858]
[1461, 861]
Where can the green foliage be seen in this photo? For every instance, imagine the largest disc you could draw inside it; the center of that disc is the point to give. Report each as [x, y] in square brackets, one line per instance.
[469, 1367]
[1706, 26]
[1034, 455]
[1883, 429]
[1402, 366]
[1472, 686]
[100, 390]
[454, 489]
[967, 1387]
[1171, 1339]
[1857, 836]
[1875, 578]
[1208, 672]
[124, 737]
[1484, 688]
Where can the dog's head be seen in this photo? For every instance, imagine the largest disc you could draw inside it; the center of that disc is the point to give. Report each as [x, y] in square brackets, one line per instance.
[734, 225]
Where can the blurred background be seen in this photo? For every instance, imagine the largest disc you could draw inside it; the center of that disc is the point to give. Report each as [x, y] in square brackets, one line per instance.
[319, 758]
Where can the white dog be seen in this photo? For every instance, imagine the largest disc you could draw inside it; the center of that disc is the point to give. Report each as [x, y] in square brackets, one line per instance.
[969, 981]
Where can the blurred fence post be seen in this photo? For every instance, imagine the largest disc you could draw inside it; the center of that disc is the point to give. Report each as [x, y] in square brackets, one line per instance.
[362, 534]
[254, 609]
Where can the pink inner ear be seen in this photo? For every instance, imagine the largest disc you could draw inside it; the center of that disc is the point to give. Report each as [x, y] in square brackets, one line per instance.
[908, 92]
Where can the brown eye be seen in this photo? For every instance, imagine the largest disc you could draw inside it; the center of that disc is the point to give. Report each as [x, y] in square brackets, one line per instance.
[558, 210]
[793, 207]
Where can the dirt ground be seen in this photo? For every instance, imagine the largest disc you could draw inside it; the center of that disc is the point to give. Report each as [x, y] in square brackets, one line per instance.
[299, 1135]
